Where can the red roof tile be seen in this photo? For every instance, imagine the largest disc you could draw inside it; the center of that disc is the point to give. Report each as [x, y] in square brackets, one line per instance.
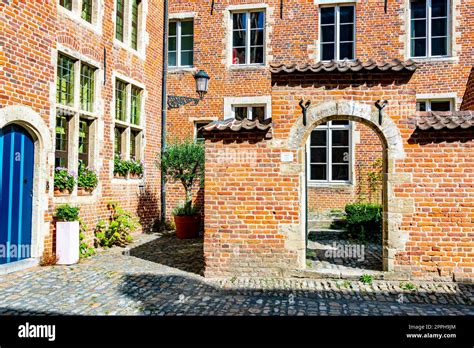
[449, 119]
[236, 125]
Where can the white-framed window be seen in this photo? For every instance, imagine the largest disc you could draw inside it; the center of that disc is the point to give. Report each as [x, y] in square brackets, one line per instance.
[329, 151]
[85, 9]
[198, 134]
[181, 43]
[429, 28]
[251, 112]
[435, 105]
[248, 37]
[128, 123]
[337, 32]
[76, 112]
[129, 19]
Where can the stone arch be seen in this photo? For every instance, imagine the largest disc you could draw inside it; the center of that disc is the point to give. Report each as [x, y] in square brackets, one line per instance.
[394, 238]
[36, 126]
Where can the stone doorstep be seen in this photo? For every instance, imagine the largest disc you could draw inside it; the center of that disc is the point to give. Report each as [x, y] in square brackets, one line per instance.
[18, 265]
[347, 274]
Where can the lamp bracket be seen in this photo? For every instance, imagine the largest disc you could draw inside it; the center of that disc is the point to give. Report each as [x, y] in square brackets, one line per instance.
[175, 102]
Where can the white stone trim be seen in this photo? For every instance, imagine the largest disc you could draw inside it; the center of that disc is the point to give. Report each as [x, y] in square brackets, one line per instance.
[335, 2]
[441, 96]
[44, 159]
[247, 101]
[182, 15]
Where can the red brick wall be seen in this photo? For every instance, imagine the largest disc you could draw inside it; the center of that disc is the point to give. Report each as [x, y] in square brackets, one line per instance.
[32, 31]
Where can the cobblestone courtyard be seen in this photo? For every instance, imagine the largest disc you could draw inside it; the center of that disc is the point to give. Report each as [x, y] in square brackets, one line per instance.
[161, 275]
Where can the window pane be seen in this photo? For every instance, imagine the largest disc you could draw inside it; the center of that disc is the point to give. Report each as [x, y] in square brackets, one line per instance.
[172, 44]
[327, 51]
[240, 113]
[418, 9]
[135, 4]
[199, 133]
[318, 155]
[187, 43]
[258, 113]
[62, 129]
[421, 106]
[84, 126]
[187, 58]
[238, 39]
[257, 20]
[439, 47]
[256, 37]
[120, 97]
[65, 81]
[238, 55]
[340, 172]
[118, 141]
[172, 29]
[346, 14]
[119, 20]
[256, 55]
[346, 50]
[439, 8]
[340, 137]
[327, 33]
[440, 105]
[135, 105]
[66, 4]
[327, 15]
[87, 88]
[318, 138]
[318, 172]
[439, 27]
[86, 12]
[346, 32]
[340, 155]
[133, 144]
[418, 28]
[187, 28]
[239, 20]
[418, 47]
[172, 58]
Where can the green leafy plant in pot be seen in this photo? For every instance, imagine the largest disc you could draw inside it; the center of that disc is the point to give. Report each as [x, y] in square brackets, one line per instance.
[184, 162]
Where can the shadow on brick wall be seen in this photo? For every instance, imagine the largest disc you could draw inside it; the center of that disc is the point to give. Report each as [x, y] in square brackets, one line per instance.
[148, 209]
[430, 136]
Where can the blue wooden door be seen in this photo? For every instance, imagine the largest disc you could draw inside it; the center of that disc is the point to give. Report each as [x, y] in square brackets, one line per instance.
[16, 191]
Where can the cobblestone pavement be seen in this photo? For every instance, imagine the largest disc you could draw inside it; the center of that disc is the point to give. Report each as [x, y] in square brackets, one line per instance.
[160, 276]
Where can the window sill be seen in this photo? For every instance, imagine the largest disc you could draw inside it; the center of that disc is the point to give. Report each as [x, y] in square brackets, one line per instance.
[247, 67]
[181, 69]
[435, 59]
[331, 185]
[127, 181]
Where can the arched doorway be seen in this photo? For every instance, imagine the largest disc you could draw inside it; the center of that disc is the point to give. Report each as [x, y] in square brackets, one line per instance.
[16, 193]
[393, 237]
[345, 161]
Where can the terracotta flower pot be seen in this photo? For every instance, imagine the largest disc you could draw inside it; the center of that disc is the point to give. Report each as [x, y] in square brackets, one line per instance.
[64, 192]
[81, 191]
[187, 226]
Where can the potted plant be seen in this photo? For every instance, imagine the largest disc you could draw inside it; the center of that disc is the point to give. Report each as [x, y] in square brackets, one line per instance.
[184, 162]
[136, 168]
[87, 180]
[121, 167]
[67, 234]
[64, 181]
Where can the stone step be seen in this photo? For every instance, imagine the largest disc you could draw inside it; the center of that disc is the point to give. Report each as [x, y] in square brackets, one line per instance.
[349, 274]
[325, 224]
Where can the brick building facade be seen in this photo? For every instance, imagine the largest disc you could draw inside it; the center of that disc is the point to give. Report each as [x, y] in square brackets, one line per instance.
[255, 205]
[61, 62]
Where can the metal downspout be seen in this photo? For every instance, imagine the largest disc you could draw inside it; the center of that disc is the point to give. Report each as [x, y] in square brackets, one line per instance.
[163, 107]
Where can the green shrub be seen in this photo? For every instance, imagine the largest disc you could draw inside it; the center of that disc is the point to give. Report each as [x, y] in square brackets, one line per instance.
[64, 179]
[84, 249]
[86, 177]
[364, 221]
[66, 212]
[117, 230]
[186, 209]
[366, 279]
[183, 162]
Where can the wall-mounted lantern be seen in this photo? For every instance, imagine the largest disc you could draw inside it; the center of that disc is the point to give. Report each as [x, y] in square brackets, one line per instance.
[202, 86]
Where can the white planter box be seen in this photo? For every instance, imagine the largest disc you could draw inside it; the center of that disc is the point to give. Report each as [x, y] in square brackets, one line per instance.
[67, 242]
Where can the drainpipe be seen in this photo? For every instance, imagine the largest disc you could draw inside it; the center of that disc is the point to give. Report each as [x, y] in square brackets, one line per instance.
[163, 107]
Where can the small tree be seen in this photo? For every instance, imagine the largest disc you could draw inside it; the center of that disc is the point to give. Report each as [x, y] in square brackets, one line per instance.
[184, 162]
